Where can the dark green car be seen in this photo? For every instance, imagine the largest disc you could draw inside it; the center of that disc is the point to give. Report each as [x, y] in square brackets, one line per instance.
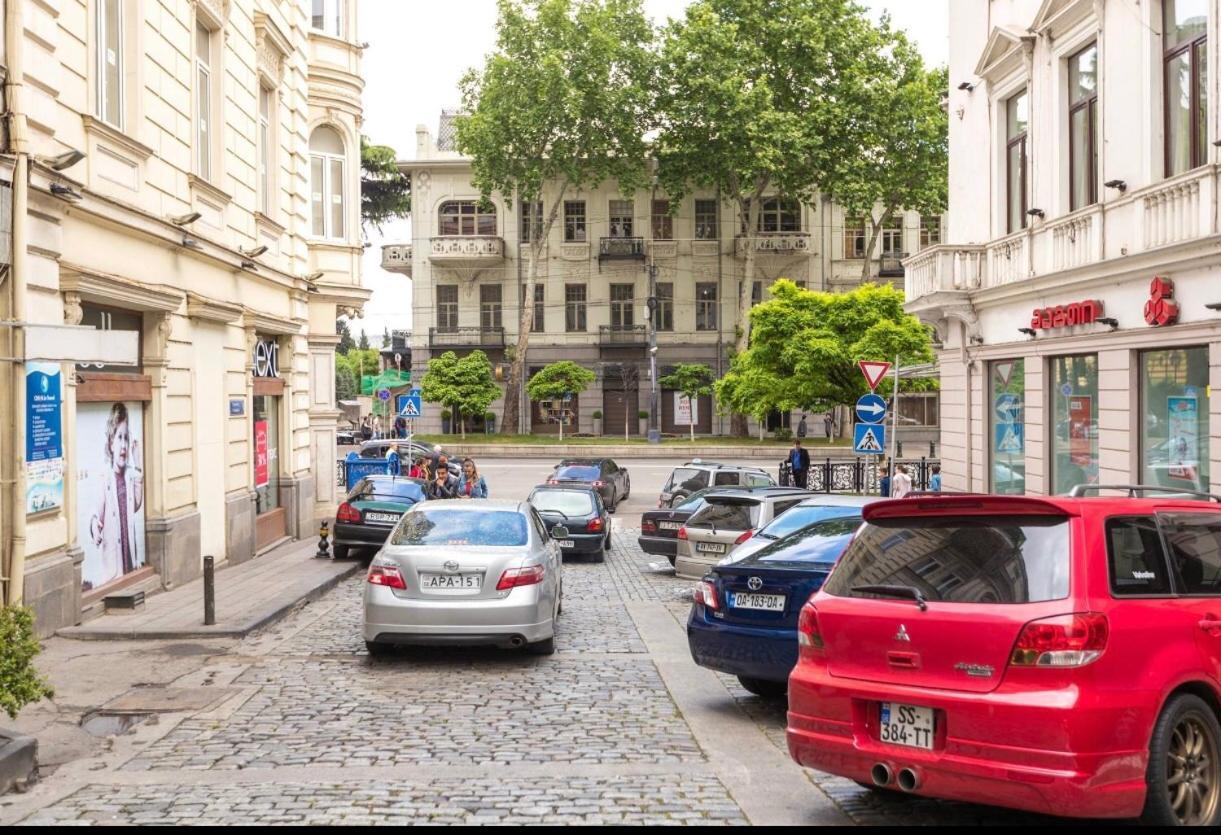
[371, 511]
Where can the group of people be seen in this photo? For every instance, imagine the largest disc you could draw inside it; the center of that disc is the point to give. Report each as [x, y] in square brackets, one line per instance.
[829, 425]
[439, 482]
[372, 428]
[893, 486]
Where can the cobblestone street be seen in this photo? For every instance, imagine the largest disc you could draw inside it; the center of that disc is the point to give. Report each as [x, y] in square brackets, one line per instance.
[311, 730]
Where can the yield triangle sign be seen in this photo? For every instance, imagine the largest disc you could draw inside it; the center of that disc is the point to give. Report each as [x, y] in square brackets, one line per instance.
[1003, 371]
[874, 372]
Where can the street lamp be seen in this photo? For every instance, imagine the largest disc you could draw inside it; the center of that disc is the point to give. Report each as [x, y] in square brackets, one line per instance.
[654, 428]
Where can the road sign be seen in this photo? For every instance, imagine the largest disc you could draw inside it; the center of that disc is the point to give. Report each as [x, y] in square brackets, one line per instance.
[1008, 408]
[383, 395]
[1010, 438]
[869, 439]
[410, 406]
[871, 408]
[1066, 389]
[874, 372]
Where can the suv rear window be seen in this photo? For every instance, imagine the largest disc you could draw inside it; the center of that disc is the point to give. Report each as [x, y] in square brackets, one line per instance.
[735, 516]
[1015, 559]
[688, 478]
[581, 472]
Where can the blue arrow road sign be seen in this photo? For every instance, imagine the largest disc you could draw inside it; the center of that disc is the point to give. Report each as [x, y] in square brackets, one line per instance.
[871, 408]
[1008, 408]
[869, 439]
[410, 406]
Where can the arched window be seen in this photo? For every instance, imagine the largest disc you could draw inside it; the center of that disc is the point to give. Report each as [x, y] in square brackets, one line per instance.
[467, 217]
[327, 179]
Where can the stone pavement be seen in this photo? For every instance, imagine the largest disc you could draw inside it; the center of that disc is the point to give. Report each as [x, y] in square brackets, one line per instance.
[617, 727]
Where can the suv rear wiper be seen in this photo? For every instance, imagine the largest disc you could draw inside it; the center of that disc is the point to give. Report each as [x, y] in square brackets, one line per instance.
[896, 591]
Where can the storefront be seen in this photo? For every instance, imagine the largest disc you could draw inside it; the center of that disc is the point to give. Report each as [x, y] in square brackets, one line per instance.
[271, 518]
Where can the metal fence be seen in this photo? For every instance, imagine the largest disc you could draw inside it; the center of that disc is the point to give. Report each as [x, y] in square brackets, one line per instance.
[857, 475]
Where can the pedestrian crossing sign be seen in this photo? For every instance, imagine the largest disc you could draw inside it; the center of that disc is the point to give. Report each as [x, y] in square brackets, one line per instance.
[410, 406]
[1010, 438]
[869, 439]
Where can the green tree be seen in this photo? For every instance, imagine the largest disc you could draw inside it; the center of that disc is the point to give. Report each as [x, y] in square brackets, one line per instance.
[806, 344]
[347, 381]
[464, 384]
[744, 109]
[691, 380]
[20, 683]
[385, 191]
[346, 342]
[555, 381]
[363, 344]
[564, 102]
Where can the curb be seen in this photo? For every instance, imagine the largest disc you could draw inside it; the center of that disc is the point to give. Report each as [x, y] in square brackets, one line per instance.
[18, 761]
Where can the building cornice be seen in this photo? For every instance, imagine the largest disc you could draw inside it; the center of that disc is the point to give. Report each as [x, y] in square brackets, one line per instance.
[105, 288]
[254, 320]
[212, 310]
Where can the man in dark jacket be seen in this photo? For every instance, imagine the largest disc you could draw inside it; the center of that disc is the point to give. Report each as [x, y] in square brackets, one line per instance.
[799, 460]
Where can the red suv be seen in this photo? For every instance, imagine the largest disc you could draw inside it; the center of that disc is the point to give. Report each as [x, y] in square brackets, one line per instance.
[1060, 655]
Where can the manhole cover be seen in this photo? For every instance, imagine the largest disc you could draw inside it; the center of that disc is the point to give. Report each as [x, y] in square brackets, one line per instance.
[165, 699]
[99, 723]
[188, 650]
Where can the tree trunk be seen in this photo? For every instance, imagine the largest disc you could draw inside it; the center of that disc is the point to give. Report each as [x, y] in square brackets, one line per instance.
[875, 230]
[738, 425]
[691, 403]
[627, 417]
[462, 424]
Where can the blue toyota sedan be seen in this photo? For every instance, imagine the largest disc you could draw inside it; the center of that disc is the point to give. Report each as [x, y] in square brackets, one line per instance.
[744, 621]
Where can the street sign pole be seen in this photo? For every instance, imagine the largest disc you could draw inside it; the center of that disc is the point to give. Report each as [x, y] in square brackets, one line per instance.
[894, 420]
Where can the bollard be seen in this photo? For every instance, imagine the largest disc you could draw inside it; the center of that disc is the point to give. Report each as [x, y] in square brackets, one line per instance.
[209, 591]
[324, 549]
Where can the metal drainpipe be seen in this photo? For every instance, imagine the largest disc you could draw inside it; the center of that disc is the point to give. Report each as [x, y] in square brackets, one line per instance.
[968, 363]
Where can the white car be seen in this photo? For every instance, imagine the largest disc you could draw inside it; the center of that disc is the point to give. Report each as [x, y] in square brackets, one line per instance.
[809, 512]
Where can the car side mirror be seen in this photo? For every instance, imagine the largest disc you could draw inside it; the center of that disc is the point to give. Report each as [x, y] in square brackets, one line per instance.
[559, 532]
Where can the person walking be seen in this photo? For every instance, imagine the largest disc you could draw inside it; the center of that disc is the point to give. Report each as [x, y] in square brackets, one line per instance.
[799, 462]
[828, 424]
[901, 484]
[884, 480]
[394, 464]
[801, 426]
[934, 481]
[470, 484]
[366, 428]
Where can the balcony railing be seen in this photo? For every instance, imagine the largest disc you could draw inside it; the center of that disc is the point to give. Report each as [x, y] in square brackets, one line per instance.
[625, 249]
[396, 258]
[772, 243]
[466, 250]
[623, 335]
[890, 265]
[466, 337]
[943, 268]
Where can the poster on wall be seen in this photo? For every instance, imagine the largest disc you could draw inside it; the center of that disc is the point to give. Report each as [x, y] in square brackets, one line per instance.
[1183, 437]
[261, 469]
[44, 437]
[110, 490]
[686, 411]
[1081, 430]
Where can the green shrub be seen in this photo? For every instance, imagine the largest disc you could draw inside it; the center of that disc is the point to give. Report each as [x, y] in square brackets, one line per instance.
[597, 414]
[20, 683]
[783, 434]
[643, 414]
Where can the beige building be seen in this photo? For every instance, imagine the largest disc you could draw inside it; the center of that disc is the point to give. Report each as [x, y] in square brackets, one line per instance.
[215, 214]
[468, 265]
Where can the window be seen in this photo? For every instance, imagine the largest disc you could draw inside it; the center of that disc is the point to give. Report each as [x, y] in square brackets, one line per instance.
[110, 62]
[721, 479]
[918, 409]
[1083, 127]
[779, 214]
[930, 231]
[756, 293]
[531, 221]
[1074, 436]
[622, 298]
[854, 238]
[1174, 431]
[327, 183]
[665, 306]
[1007, 416]
[1194, 543]
[1016, 117]
[540, 308]
[112, 319]
[490, 313]
[574, 220]
[447, 308]
[327, 17]
[1137, 560]
[621, 212]
[266, 162]
[705, 307]
[1184, 64]
[663, 223]
[706, 228]
[467, 217]
[892, 239]
[574, 308]
[203, 101]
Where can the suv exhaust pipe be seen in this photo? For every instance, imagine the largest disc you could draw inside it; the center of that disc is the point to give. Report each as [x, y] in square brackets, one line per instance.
[517, 641]
[909, 780]
[880, 774]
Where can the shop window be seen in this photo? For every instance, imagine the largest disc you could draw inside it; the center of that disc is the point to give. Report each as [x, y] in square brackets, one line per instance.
[1074, 426]
[918, 409]
[1007, 426]
[1174, 425]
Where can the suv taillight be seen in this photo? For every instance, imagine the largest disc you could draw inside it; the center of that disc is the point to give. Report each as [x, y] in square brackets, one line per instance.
[347, 513]
[514, 577]
[809, 638]
[682, 532]
[385, 575]
[595, 525]
[1062, 641]
[745, 536]
[705, 595]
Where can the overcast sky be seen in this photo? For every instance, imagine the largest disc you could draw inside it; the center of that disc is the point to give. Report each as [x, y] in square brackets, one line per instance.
[419, 49]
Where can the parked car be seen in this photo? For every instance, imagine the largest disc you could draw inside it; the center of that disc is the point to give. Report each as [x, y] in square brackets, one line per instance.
[659, 528]
[345, 437]
[466, 573]
[410, 451]
[1060, 655]
[808, 512]
[579, 509]
[603, 474]
[697, 475]
[744, 619]
[371, 510]
[728, 519]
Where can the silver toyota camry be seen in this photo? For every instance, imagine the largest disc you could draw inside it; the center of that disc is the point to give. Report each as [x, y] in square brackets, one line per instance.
[466, 572]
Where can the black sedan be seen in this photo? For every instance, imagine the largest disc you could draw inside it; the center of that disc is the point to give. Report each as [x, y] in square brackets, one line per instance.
[580, 509]
[371, 511]
[659, 528]
[603, 474]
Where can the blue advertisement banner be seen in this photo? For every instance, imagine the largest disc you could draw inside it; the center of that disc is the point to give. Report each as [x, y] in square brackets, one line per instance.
[44, 437]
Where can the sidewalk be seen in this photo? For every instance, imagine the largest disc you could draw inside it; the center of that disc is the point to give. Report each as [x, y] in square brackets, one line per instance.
[248, 596]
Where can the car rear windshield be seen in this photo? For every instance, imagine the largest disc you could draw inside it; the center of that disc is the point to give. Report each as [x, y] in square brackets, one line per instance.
[567, 502]
[387, 490]
[821, 542]
[799, 517]
[447, 526]
[687, 479]
[578, 473]
[1007, 559]
[732, 516]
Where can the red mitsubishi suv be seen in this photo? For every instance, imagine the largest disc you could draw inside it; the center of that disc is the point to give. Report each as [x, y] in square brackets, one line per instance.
[1059, 655]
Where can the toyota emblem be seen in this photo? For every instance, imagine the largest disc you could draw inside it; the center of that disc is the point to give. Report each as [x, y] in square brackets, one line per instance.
[754, 583]
[451, 566]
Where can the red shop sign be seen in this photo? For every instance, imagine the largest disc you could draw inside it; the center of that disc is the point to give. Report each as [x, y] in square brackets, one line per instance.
[262, 475]
[1161, 309]
[1066, 315]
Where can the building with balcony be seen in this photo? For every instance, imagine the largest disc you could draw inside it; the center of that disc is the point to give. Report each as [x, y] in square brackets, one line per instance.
[469, 262]
[193, 179]
[1076, 290]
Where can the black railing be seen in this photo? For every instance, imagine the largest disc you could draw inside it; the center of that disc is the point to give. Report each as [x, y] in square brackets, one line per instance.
[467, 337]
[624, 248]
[858, 475]
[622, 335]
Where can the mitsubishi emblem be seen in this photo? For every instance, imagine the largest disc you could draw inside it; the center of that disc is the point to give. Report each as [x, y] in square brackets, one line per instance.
[451, 566]
[902, 635]
[754, 583]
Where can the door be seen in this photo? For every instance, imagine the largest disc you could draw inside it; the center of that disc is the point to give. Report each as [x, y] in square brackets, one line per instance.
[619, 412]
[271, 521]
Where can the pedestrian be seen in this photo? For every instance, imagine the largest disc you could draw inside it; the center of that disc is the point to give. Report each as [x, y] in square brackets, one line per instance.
[470, 484]
[901, 484]
[366, 428]
[828, 423]
[799, 461]
[394, 464]
[934, 482]
[884, 480]
[443, 485]
[419, 469]
[801, 426]
[400, 427]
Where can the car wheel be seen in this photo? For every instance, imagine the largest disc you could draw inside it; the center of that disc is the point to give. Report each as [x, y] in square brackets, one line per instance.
[599, 555]
[378, 650]
[546, 647]
[1183, 778]
[763, 687]
[628, 492]
[613, 505]
[341, 552]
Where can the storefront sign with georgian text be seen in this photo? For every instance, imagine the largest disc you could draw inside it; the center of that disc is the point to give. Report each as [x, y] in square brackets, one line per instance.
[1066, 315]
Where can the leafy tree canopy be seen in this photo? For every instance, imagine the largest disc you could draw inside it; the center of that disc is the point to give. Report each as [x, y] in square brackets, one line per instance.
[552, 382]
[690, 380]
[385, 191]
[465, 383]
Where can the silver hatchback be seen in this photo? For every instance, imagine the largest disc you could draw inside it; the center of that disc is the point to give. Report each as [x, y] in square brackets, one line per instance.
[464, 572]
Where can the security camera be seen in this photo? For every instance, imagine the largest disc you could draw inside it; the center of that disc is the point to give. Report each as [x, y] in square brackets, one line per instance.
[653, 350]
